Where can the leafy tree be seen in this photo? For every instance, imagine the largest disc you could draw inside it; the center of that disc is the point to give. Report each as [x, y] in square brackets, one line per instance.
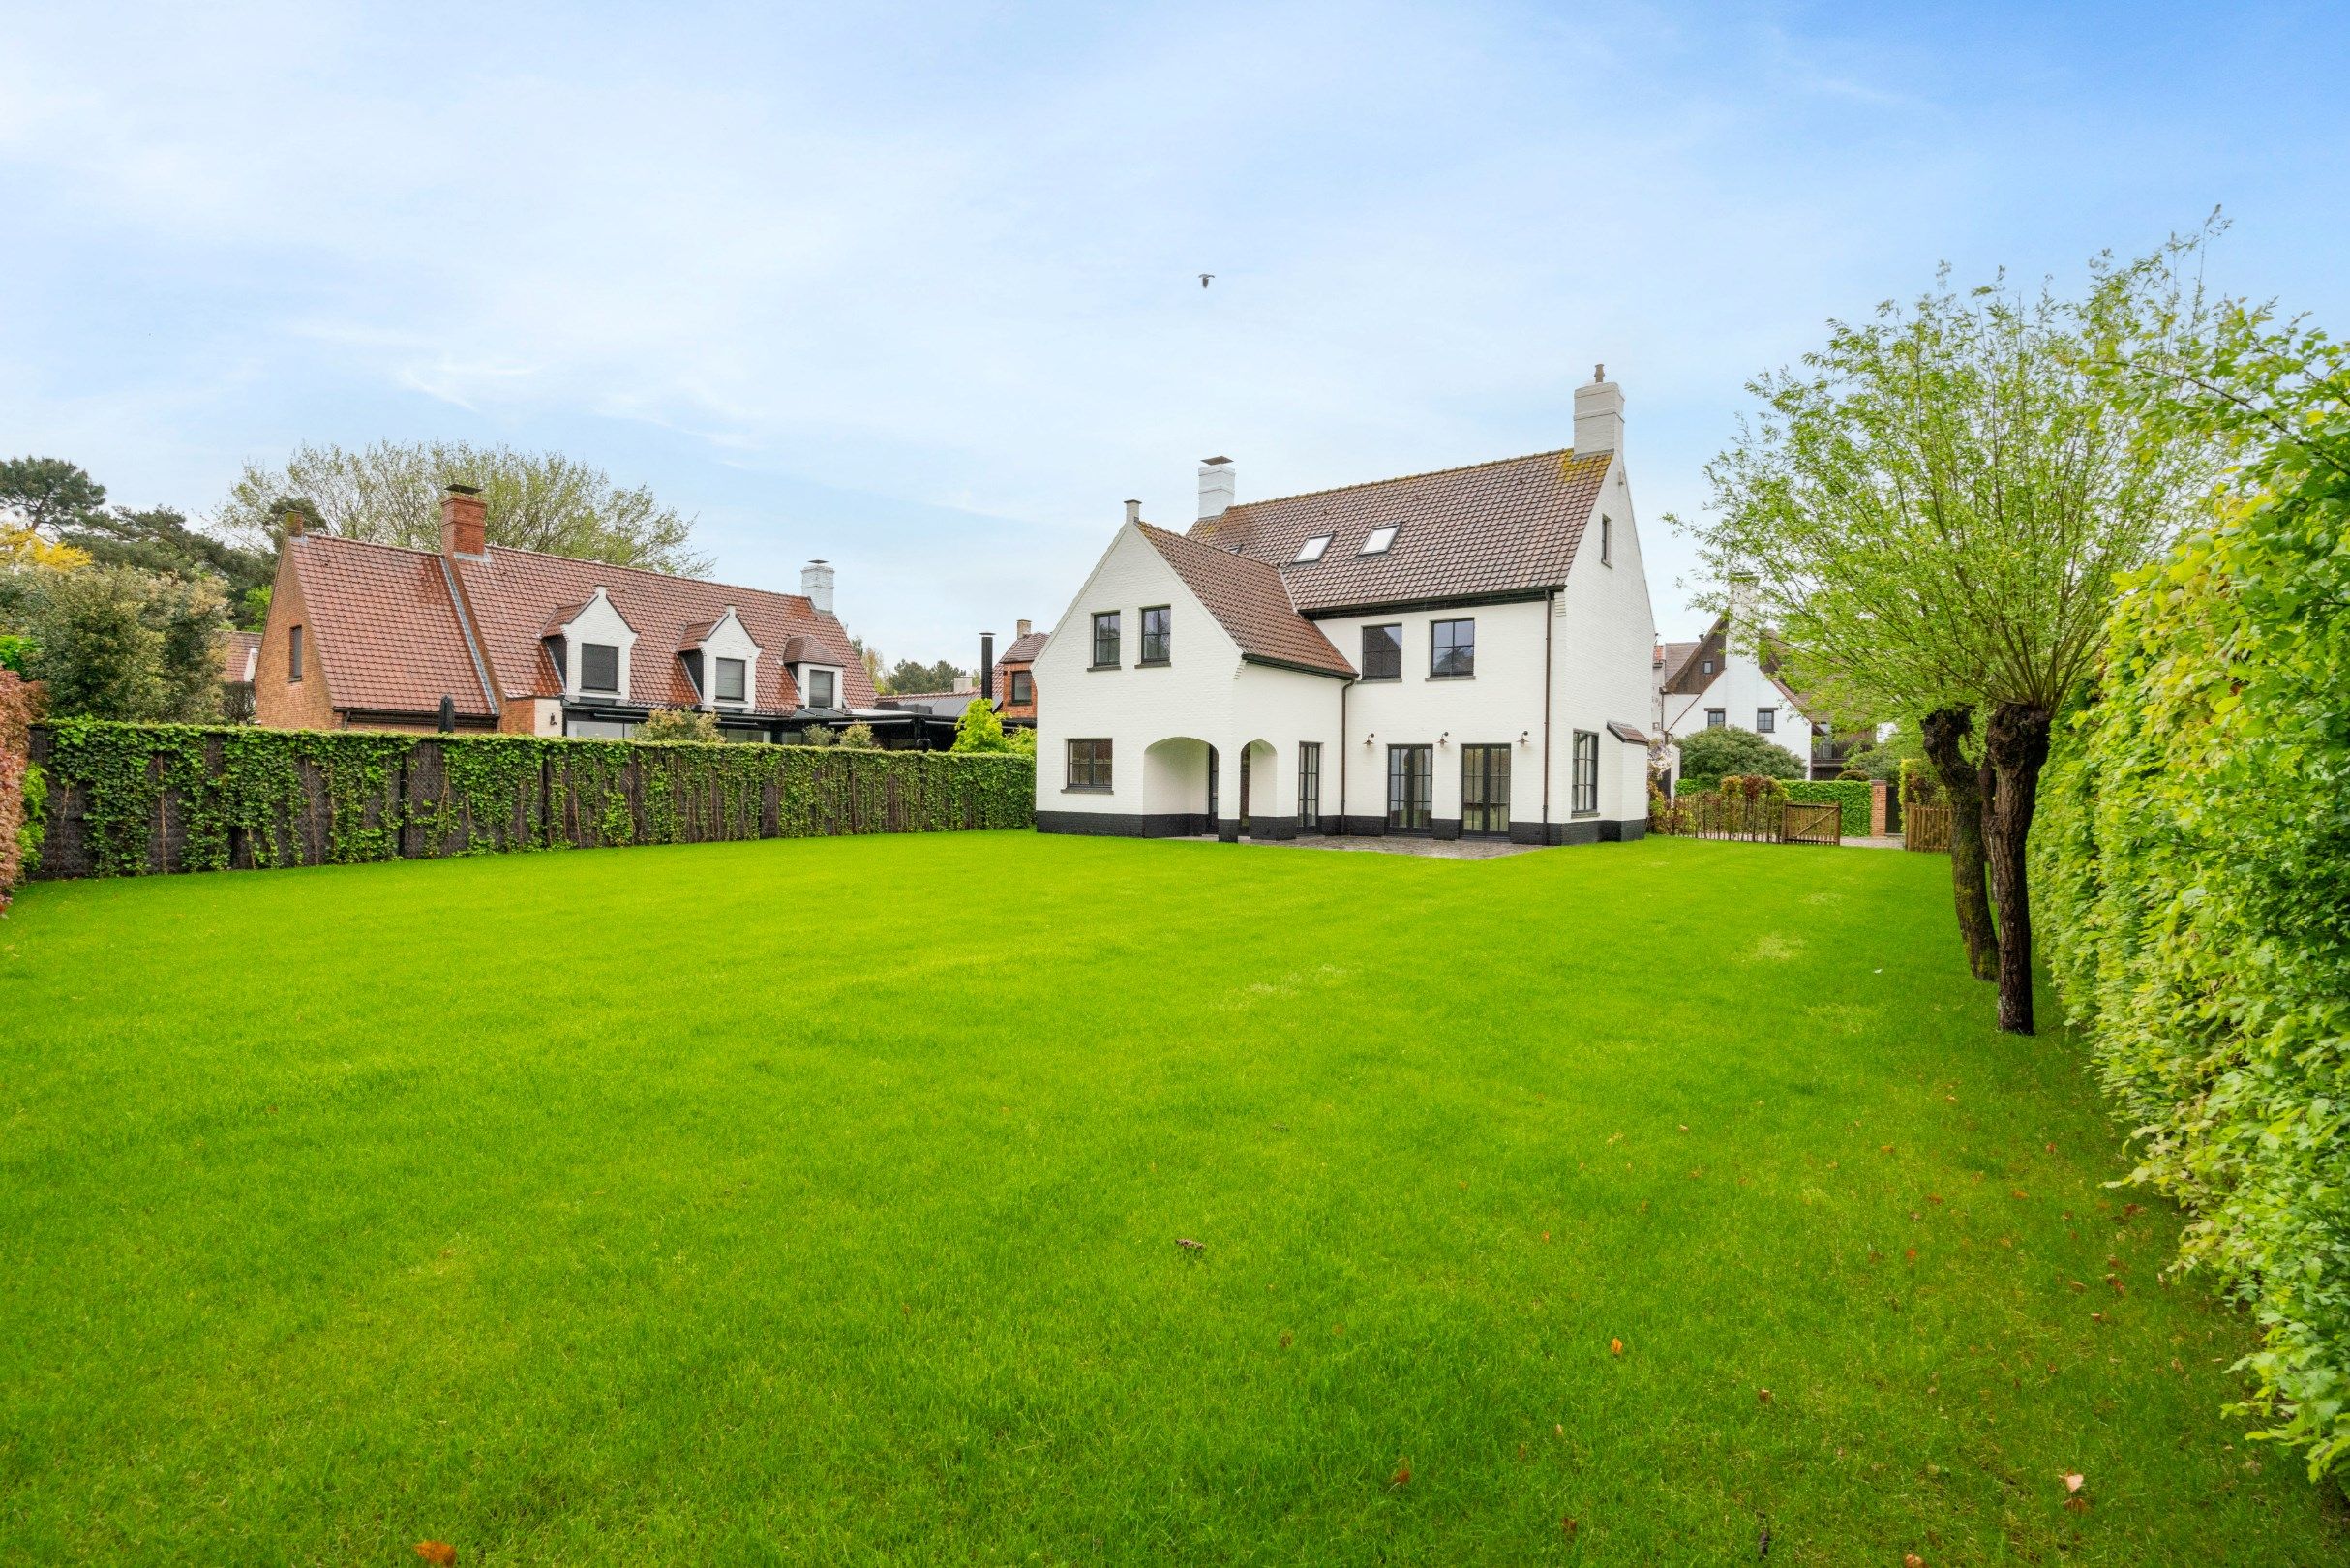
[980, 729]
[679, 724]
[1711, 755]
[159, 540]
[390, 492]
[113, 641]
[909, 675]
[48, 495]
[16, 651]
[1934, 512]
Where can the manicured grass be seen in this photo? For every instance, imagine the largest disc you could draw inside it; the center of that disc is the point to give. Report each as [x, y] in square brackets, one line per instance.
[819, 1201]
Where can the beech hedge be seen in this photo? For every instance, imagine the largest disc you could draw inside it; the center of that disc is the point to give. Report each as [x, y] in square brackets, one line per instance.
[130, 798]
[1852, 796]
[2194, 879]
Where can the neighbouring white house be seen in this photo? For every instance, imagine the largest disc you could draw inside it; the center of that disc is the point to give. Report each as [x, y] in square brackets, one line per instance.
[1729, 680]
[1459, 653]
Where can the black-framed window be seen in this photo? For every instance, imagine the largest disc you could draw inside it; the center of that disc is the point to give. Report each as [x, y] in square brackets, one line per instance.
[1089, 764]
[822, 690]
[1766, 721]
[732, 677]
[1707, 665]
[1452, 648]
[1105, 638]
[293, 653]
[1157, 621]
[1309, 785]
[1383, 652]
[1586, 773]
[1023, 687]
[1606, 540]
[599, 667]
[1716, 717]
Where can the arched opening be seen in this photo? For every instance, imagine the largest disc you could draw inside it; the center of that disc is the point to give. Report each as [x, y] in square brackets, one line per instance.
[1179, 788]
[1262, 805]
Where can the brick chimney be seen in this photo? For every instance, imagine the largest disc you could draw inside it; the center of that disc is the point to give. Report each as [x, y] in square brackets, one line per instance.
[816, 584]
[1599, 415]
[1217, 485]
[465, 523]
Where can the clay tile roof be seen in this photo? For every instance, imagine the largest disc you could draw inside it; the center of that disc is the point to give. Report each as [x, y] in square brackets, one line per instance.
[384, 629]
[1505, 527]
[239, 654]
[1248, 600]
[1024, 649]
[513, 591]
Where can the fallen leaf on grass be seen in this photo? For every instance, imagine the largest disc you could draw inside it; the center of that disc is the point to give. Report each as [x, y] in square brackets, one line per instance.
[2074, 1481]
[1401, 1477]
[1561, 1428]
[1615, 1347]
[1567, 1524]
[2017, 1192]
[1191, 1246]
[1910, 1559]
[2079, 1505]
[439, 1553]
[1287, 1339]
[2076, 1284]
[1763, 1396]
[1933, 1198]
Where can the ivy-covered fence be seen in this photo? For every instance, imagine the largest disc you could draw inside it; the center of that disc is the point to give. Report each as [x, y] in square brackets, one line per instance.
[127, 800]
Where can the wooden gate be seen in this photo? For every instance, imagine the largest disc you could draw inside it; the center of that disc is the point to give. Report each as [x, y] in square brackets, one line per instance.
[1803, 821]
[1926, 827]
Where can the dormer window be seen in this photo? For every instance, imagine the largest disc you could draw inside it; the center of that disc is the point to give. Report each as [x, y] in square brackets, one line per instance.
[599, 667]
[821, 688]
[1378, 540]
[732, 677]
[1312, 550]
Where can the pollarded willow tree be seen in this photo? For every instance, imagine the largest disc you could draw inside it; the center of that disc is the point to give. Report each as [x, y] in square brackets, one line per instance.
[1933, 511]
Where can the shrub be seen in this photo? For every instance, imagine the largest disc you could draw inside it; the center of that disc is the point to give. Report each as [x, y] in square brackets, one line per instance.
[819, 736]
[22, 788]
[679, 724]
[858, 737]
[1709, 755]
[1852, 776]
[2195, 873]
[980, 729]
[113, 641]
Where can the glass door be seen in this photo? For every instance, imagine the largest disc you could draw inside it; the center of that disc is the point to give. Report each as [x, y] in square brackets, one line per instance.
[1485, 788]
[1310, 788]
[1412, 777]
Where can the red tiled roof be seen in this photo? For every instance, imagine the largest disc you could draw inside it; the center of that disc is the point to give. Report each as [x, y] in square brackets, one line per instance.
[513, 592]
[238, 656]
[1506, 527]
[1024, 649]
[1248, 600]
[384, 628]
[390, 638]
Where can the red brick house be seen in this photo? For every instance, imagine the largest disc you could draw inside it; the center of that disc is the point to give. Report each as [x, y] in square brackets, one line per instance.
[480, 636]
[1016, 683]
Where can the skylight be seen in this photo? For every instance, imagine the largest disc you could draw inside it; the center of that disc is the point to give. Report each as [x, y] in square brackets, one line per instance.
[1379, 540]
[1311, 549]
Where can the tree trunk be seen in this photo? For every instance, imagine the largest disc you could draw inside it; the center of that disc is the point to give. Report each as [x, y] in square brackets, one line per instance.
[1946, 731]
[2016, 748]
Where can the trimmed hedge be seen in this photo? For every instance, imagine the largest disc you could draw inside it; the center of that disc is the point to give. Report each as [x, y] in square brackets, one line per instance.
[131, 799]
[2193, 864]
[1853, 796]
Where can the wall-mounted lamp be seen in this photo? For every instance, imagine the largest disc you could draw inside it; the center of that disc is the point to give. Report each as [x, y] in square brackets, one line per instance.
[1522, 737]
[1369, 739]
[1445, 738]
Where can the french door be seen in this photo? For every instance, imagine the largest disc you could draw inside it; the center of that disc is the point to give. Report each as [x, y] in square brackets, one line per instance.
[1412, 777]
[1485, 788]
[1310, 787]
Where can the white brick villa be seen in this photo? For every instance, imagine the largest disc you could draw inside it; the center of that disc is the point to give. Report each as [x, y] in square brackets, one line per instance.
[1462, 653]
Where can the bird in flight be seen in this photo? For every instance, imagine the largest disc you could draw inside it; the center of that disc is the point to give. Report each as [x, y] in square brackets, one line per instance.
[1205, 278]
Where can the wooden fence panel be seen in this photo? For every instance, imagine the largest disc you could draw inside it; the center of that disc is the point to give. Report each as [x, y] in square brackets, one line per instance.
[1926, 827]
[1811, 823]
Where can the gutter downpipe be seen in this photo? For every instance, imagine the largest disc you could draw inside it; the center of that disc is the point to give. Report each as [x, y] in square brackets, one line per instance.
[1343, 690]
[1550, 614]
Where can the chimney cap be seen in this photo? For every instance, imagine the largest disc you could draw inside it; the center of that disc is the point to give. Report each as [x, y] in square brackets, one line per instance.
[1210, 461]
[1599, 373]
[463, 490]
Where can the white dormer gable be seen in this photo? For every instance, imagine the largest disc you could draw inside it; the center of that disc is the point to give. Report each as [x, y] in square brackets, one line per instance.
[723, 663]
[592, 649]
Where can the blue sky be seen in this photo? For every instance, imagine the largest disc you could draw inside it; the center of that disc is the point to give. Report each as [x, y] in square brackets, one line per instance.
[912, 287]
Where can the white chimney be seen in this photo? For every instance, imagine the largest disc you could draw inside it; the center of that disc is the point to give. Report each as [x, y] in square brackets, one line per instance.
[816, 583]
[1133, 511]
[1023, 628]
[1217, 485]
[1739, 635]
[1599, 415]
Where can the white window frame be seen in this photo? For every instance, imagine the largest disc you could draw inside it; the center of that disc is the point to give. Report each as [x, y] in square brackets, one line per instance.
[743, 680]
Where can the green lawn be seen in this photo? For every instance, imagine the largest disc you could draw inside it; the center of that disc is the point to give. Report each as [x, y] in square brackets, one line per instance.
[817, 1202]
